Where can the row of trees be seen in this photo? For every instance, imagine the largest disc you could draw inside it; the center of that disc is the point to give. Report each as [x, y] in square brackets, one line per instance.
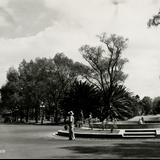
[61, 84]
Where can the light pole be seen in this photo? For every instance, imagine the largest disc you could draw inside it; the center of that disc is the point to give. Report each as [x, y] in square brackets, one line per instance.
[42, 106]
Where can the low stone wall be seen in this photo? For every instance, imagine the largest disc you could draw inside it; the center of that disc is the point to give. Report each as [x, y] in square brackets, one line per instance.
[128, 125]
[90, 135]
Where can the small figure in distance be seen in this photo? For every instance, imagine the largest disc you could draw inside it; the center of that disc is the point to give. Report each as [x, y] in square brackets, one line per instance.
[90, 121]
[114, 125]
[141, 121]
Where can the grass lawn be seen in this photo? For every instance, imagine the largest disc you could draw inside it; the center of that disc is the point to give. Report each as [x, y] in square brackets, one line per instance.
[31, 141]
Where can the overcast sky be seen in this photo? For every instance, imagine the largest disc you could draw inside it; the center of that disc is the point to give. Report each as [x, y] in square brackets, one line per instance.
[41, 28]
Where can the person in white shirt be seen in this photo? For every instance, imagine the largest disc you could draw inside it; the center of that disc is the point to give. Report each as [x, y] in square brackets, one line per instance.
[71, 126]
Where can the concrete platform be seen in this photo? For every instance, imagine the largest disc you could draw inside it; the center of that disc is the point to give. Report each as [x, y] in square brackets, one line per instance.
[90, 135]
[129, 133]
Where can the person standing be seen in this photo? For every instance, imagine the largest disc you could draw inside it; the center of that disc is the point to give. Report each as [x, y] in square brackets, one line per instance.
[141, 121]
[114, 125]
[71, 126]
[81, 119]
[90, 121]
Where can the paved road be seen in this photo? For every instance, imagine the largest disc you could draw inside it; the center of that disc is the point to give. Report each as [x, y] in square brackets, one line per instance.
[31, 141]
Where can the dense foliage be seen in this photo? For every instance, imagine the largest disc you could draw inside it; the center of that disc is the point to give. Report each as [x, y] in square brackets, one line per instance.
[54, 86]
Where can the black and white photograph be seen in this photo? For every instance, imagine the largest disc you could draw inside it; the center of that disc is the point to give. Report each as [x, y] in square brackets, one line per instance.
[79, 79]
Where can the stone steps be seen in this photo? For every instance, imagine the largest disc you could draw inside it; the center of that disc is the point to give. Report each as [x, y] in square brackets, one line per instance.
[139, 133]
[140, 130]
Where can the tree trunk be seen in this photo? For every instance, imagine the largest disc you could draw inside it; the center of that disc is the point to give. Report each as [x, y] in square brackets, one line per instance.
[36, 114]
[56, 114]
[27, 115]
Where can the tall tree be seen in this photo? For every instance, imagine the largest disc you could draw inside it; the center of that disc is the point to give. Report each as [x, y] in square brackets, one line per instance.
[46, 80]
[11, 98]
[28, 73]
[121, 101]
[65, 73]
[156, 105]
[106, 66]
[155, 20]
[146, 103]
[82, 97]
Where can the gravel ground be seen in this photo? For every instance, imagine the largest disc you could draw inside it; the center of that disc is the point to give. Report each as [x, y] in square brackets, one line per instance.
[37, 142]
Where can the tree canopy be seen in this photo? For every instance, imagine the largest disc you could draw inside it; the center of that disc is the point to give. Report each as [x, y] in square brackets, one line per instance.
[155, 20]
[61, 85]
[106, 66]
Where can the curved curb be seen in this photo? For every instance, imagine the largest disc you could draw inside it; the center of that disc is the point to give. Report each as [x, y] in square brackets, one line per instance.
[120, 134]
[90, 135]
